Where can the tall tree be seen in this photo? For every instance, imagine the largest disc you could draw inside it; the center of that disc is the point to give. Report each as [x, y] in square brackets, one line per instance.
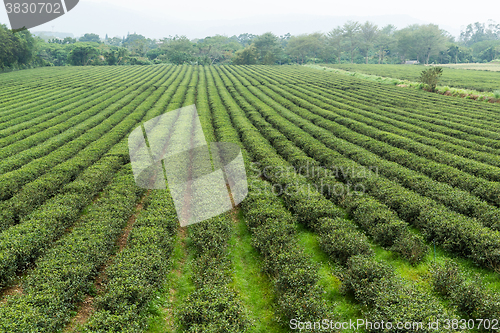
[334, 42]
[430, 40]
[307, 45]
[268, 47]
[351, 32]
[385, 42]
[369, 34]
[247, 56]
[82, 54]
[90, 38]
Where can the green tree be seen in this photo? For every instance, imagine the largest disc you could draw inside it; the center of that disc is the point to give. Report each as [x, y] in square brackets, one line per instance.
[268, 48]
[430, 40]
[246, 56]
[93, 38]
[385, 42]
[217, 49]
[369, 34]
[178, 49]
[334, 42]
[17, 48]
[406, 41]
[307, 45]
[351, 32]
[430, 77]
[82, 54]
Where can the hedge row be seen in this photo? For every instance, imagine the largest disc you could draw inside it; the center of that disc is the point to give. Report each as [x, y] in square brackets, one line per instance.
[273, 229]
[458, 200]
[469, 79]
[370, 94]
[390, 299]
[365, 136]
[66, 272]
[21, 244]
[382, 219]
[38, 114]
[294, 275]
[467, 293]
[31, 100]
[378, 116]
[453, 231]
[213, 306]
[122, 106]
[88, 148]
[340, 239]
[74, 113]
[418, 100]
[138, 271]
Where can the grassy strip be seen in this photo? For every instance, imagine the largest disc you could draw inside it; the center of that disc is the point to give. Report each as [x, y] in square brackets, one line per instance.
[255, 287]
[455, 87]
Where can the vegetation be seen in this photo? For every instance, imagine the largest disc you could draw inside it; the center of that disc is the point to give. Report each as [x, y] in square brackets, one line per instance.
[353, 42]
[430, 77]
[373, 174]
[452, 77]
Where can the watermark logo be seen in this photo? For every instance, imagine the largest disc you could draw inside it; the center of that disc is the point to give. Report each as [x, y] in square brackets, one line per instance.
[204, 180]
[31, 13]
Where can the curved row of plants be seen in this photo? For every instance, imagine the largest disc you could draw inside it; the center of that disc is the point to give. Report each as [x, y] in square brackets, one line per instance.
[138, 271]
[480, 80]
[453, 231]
[29, 186]
[274, 235]
[339, 237]
[214, 305]
[64, 111]
[22, 96]
[65, 273]
[389, 231]
[23, 243]
[458, 200]
[44, 142]
[439, 104]
[33, 111]
[364, 106]
[467, 294]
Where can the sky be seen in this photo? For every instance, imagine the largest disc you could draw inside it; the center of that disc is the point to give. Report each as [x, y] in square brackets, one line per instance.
[442, 12]
[201, 18]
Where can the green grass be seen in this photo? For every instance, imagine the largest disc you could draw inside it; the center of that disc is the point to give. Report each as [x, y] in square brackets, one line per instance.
[345, 307]
[254, 287]
[481, 81]
[170, 298]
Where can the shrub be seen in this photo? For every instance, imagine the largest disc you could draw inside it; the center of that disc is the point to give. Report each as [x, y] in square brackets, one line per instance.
[340, 239]
[430, 77]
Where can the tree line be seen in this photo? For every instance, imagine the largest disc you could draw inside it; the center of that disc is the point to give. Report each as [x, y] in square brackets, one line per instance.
[353, 42]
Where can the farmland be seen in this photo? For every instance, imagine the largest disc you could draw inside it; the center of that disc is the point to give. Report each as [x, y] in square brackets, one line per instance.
[458, 76]
[366, 201]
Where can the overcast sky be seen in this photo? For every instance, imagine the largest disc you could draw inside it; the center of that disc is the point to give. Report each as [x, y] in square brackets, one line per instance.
[201, 18]
[451, 13]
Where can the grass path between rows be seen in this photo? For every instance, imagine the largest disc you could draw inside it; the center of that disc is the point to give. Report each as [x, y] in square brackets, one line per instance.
[254, 287]
[178, 285]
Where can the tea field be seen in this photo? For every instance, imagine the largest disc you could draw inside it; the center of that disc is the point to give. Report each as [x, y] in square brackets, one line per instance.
[367, 202]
